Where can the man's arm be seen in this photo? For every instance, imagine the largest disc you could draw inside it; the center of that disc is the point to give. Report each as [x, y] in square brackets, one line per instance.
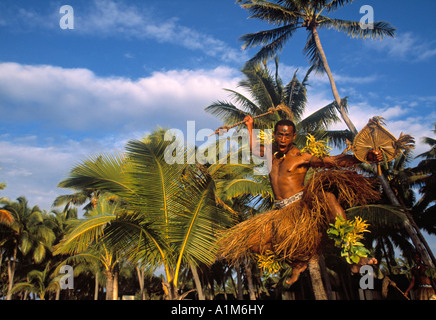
[255, 148]
[333, 161]
[342, 160]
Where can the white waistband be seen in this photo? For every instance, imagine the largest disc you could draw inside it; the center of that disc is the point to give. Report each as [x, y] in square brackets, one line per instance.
[280, 204]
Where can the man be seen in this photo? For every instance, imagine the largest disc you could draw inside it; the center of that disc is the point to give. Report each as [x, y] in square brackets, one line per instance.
[294, 229]
[289, 165]
[424, 289]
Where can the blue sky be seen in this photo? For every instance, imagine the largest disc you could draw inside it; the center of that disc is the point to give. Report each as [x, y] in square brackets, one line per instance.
[129, 66]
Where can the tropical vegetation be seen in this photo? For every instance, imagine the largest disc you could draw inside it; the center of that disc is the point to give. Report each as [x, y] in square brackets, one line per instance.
[136, 226]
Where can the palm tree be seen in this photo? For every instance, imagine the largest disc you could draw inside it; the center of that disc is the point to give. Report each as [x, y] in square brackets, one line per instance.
[28, 234]
[75, 199]
[291, 15]
[267, 90]
[427, 167]
[171, 217]
[84, 242]
[425, 208]
[402, 181]
[39, 282]
[388, 222]
[60, 222]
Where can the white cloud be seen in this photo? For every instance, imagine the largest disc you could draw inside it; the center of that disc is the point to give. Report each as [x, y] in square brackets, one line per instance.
[406, 46]
[399, 117]
[35, 171]
[77, 99]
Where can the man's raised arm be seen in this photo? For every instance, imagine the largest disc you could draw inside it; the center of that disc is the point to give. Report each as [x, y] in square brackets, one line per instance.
[255, 148]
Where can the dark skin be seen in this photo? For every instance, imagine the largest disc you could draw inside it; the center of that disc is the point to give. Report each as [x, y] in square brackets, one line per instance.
[289, 167]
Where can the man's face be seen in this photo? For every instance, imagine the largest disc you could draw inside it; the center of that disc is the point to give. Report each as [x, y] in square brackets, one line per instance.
[284, 136]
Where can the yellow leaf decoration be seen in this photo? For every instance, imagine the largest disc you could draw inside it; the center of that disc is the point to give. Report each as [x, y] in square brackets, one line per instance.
[269, 263]
[316, 148]
[266, 137]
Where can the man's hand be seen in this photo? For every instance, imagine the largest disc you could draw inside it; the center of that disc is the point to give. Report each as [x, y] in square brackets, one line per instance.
[374, 156]
[248, 121]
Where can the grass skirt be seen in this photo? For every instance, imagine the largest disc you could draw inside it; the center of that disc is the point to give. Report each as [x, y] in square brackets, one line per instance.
[294, 232]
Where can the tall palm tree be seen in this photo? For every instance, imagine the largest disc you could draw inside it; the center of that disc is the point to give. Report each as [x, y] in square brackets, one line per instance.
[291, 15]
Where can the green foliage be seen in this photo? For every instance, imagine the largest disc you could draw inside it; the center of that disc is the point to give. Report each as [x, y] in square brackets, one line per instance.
[290, 16]
[346, 235]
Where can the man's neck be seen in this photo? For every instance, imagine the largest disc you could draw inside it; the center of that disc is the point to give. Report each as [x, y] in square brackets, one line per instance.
[281, 155]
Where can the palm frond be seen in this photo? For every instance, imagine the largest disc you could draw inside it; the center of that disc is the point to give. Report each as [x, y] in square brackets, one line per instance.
[379, 215]
[272, 41]
[378, 30]
[84, 234]
[334, 5]
[6, 217]
[271, 12]
[102, 172]
[320, 119]
[201, 219]
[427, 219]
[310, 50]
[262, 86]
[138, 238]
[295, 96]
[237, 187]
[226, 112]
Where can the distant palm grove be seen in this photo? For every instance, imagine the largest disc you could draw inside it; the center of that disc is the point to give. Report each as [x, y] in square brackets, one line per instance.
[137, 227]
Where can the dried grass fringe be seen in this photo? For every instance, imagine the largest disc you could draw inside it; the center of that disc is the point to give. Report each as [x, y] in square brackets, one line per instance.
[295, 232]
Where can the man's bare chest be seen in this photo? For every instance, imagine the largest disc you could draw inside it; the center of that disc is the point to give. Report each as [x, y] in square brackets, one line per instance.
[289, 165]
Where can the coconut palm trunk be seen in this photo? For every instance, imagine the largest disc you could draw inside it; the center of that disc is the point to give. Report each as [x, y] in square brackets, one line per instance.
[250, 284]
[418, 241]
[316, 279]
[342, 110]
[109, 285]
[96, 286]
[141, 276]
[115, 285]
[197, 281]
[11, 272]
